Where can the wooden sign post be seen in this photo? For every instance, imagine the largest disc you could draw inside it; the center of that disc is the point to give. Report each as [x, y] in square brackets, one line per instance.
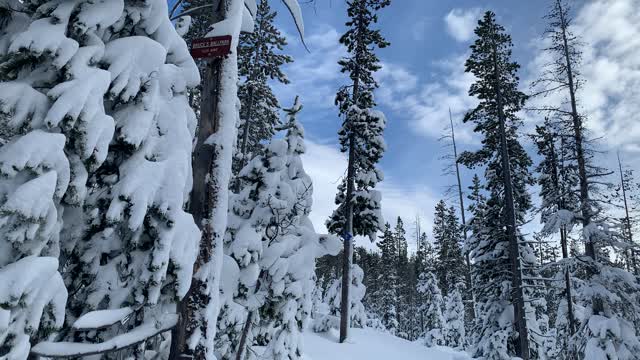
[213, 47]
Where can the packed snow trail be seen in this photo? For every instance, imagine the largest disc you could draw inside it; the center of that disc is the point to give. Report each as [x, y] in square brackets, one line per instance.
[372, 345]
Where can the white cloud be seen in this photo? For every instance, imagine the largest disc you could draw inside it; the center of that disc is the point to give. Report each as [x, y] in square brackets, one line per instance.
[314, 74]
[426, 105]
[326, 165]
[610, 33]
[461, 23]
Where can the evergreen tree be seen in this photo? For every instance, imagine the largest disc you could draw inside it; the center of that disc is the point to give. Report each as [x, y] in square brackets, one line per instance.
[430, 308]
[272, 244]
[477, 232]
[200, 18]
[558, 181]
[402, 285]
[387, 295]
[109, 115]
[447, 237]
[453, 332]
[626, 194]
[356, 308]
[288, 256]
[601, 285]
[259, 62]
[499, 257]
[213, 159]
[358, 211]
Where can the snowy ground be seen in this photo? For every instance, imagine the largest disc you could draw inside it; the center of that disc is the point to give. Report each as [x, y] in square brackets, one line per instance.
[367, 344]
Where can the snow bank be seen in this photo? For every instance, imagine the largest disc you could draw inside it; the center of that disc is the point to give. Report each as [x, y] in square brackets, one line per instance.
[372, 345]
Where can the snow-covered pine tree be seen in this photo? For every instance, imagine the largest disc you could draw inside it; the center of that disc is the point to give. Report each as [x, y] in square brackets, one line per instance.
[358, 211]
[501, 258]
[259, 62]
[289, 257]
[452, 167]
[386, 295]
[477, 233]
[217, 131]
[558, 180]
[450, 264]
[403, 271]
[626, 194]
[357, 311]
[453, 331]
[37, 183]
[430, 308]
[272, 246]
[604, 288]
[369, 261]
[112, 86]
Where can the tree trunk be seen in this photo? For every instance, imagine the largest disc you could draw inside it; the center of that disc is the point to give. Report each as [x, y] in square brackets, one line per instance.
[555, 177]
[522, 350]
[245, 334]
[627, 221]
[348, 248]
[200, 201]
[462, 218]
[202, 205]
[567, 282]
[585, 203]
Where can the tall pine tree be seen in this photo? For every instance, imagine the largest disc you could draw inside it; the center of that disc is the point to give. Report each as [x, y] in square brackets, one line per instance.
[603, 287]
[498, 259]
[386, 295]
[450, 265]
[358, 211]
[259, 62]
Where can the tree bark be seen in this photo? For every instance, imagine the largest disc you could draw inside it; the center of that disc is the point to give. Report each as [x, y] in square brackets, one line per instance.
[245, 334]
[522, 350]
[201, 199]
[462, 218]
[347, 260]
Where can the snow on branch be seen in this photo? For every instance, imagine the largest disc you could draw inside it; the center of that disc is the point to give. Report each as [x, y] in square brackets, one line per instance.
[102, 318]
[131, 338]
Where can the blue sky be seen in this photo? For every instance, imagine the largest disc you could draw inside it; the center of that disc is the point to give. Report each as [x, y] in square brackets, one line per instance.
[423, 75]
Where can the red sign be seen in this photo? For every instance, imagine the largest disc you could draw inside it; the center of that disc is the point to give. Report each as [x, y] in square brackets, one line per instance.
[211, 47]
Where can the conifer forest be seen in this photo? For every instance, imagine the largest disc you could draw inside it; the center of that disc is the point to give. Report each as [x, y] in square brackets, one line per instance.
[320, 179]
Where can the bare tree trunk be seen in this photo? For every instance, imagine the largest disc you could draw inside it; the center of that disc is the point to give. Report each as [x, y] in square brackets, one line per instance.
[522, 350]
[462, 217]
[627, 221]
[585, 203]
[245, 334]
[577, 128]
[567, 281]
